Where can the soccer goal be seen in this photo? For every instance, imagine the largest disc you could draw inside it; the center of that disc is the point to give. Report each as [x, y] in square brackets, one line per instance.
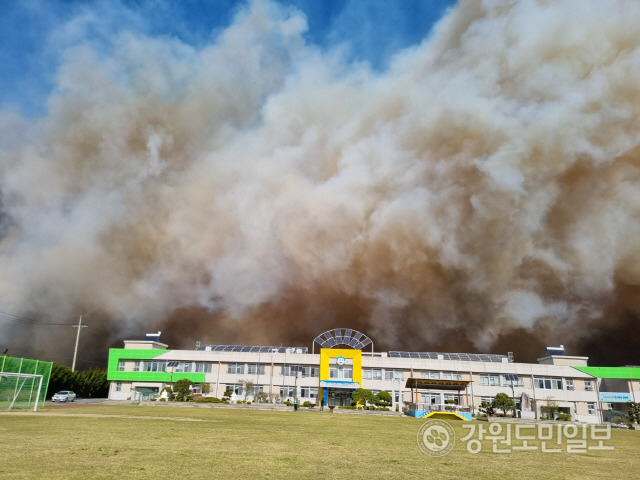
[23, 382]
[20, 390]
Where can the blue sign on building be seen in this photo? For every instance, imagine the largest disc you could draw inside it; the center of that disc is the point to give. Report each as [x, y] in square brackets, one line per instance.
[615, 397]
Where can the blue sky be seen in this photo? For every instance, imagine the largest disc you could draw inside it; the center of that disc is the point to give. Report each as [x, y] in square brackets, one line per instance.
[34, 34]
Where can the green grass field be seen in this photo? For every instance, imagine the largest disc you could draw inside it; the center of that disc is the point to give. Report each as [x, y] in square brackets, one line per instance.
[176, 442]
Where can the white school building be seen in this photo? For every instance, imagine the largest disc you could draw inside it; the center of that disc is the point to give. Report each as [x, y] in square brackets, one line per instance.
[343, 359]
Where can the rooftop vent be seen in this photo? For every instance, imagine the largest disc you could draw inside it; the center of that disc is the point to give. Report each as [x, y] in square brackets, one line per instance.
[152, 337]
[555, 350]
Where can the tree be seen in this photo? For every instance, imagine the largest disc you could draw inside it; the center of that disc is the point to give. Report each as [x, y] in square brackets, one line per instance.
[90, 383]
[383, 398]
[363, 396]
[182, 389]
[261, 397]
[248, 387]
[227, 394]
[549, 410]
[504, 402]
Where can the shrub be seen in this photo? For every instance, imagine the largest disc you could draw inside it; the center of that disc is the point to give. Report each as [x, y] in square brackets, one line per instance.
[287, 403]
[565, 417]
[306, 404]
[383, 398]
[163, 399]
[208, 400]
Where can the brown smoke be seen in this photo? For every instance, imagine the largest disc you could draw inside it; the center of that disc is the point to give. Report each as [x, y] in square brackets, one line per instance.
[480, 194]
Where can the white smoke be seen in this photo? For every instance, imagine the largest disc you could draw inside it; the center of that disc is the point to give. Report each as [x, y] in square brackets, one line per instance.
[487, 180]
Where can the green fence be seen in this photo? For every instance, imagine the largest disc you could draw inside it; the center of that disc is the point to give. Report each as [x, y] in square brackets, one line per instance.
[20, 380]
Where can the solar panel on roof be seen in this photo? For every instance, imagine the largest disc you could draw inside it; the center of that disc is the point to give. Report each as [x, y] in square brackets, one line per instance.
[343, 336]
[249, 348]
[467, 357]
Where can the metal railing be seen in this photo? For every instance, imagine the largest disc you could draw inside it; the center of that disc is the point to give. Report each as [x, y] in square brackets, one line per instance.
[435, 407]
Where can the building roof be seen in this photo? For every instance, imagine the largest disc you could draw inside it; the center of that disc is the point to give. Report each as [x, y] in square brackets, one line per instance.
[629, 373]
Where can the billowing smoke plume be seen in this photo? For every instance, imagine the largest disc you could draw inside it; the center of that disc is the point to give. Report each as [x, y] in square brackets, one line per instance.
[482, 193]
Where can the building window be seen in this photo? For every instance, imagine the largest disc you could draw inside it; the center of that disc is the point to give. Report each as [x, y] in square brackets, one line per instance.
[587, 386]
[487, 400]
[290, 370]
[255, 369]
[155, 366]
[310, 371]
[118, 386]
[429, 398]
[569, 383]
[591, 408]
[518, 382]
[121, 366]
[492, 379]
[236, 368]
[448, 398]
[393, 374]
[430, 374]
[341, 373]
[549, 383]
[451, 376]
[371, 374]
[183, 367]
[234, 388]
[136, 366]
[287, 392]
[203, 367]
[309, 392]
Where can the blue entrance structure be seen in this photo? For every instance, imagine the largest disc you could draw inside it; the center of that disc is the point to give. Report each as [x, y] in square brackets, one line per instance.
[450, 411]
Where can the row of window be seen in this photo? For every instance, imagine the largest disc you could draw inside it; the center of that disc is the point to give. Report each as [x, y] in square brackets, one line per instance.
[346, 373]
[285, 391]
[161, 366]
[432, 399]
[495, 379]
[543, 383]
[379, 374]
[556, 383]
[341, 373]
[435, 375]
[285, 370]
[312, 393]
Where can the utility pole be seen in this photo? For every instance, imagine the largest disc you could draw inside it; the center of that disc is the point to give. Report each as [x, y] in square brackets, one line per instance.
[75, 351]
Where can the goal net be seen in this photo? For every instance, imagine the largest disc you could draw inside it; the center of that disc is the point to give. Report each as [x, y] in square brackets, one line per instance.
[23, 382]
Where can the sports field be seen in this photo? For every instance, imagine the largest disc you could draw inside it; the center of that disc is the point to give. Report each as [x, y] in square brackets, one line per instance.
[104, 442]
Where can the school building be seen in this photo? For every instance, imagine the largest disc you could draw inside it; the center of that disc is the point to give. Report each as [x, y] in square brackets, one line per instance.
[342, 359]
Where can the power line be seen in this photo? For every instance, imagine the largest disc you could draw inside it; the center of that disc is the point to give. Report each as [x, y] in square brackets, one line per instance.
[8, 317]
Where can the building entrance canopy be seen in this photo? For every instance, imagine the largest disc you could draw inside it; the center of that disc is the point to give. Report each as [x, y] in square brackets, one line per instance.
[433, 384]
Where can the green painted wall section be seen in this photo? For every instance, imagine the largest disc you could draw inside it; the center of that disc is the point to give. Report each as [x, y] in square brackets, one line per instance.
[117, 354]
[629, 373]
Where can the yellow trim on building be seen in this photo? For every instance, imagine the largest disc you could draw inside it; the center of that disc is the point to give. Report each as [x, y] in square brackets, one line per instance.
[326, 354]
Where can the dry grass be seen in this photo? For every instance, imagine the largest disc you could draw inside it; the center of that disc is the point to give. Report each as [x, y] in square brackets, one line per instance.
[157, 442]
